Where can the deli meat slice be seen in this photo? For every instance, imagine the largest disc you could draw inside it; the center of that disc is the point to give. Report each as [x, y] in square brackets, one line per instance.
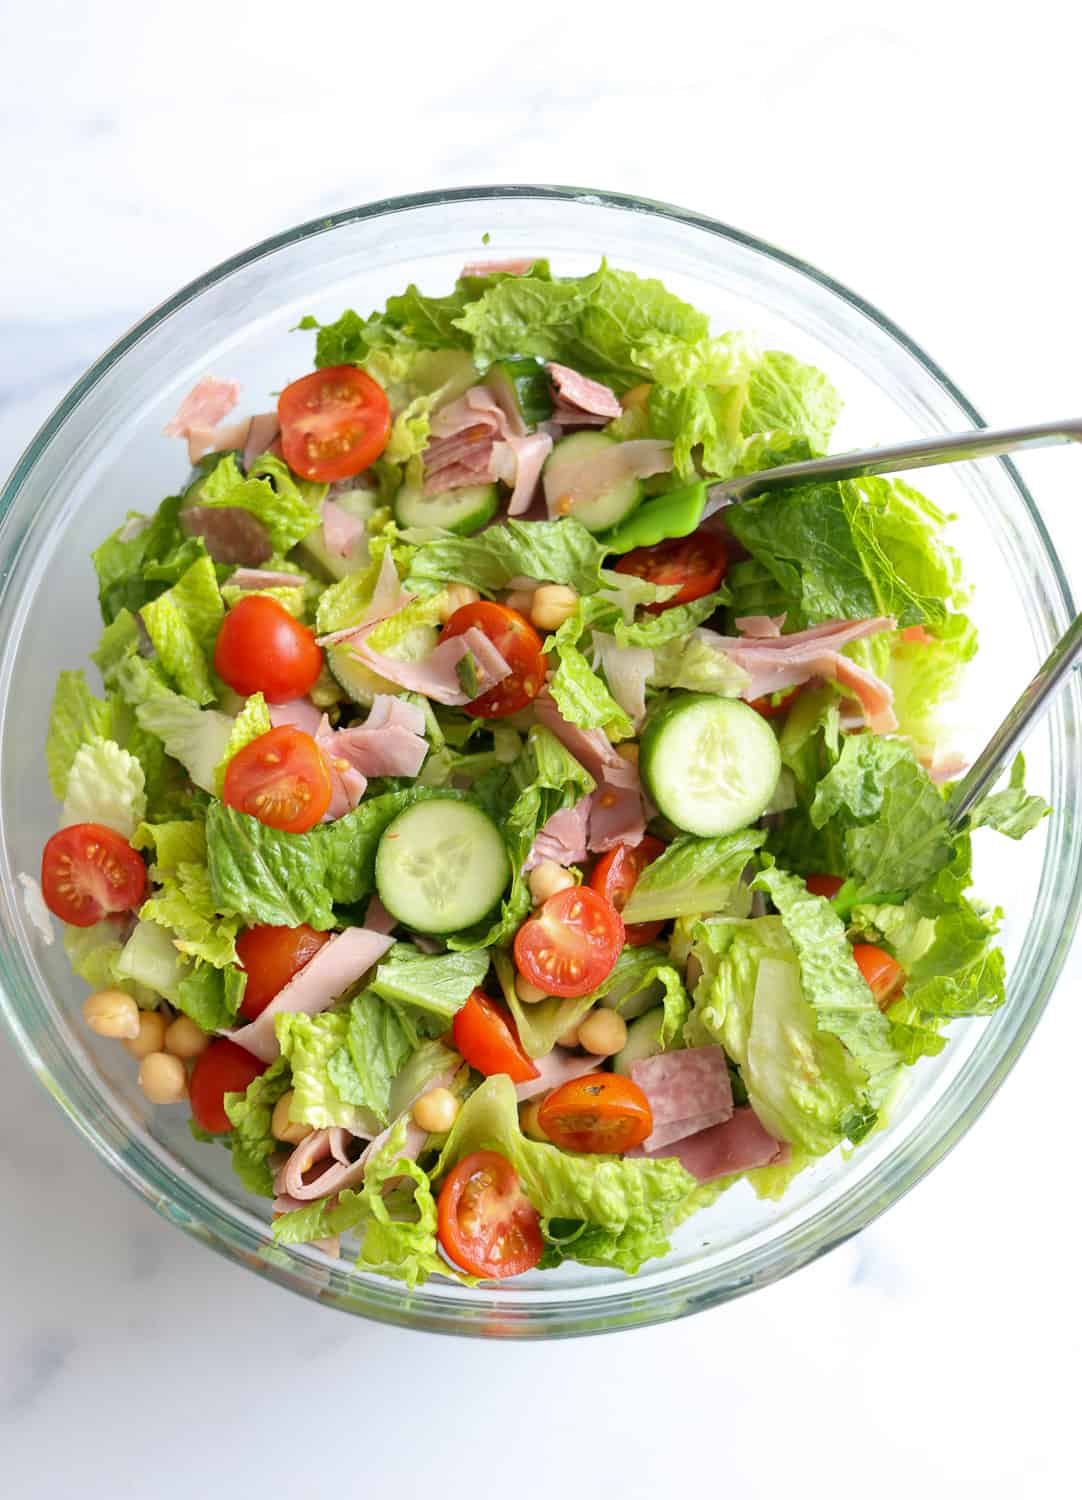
[556, 1067]
[208, 402]
[688, 1091]
[232, 534]
[576, 394]
[301, 713]
[617, 815]
[511, 265]
[435, 676]
[563, 837]
[738, 1144]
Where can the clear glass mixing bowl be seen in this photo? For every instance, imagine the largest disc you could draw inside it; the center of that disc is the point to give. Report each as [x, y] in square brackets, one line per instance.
[102, 453]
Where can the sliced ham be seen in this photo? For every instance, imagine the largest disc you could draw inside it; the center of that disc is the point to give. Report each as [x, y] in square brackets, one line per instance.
[388, 597]
[263, 578]
[300, 713]
[760, 627]
[688, 1091]
[341, 531]
[776, 662]
[233, 535]
[204, 440]
[626, 670]
[435, 676]
[944, 765]
[738, 1144]
[336, 966]
[262, 432]
[208, 402]
[377, 918]
[479, 439]
[575, 393]
[395, 712]
[512, 265]
[595, 472]
[556, 1067]
[386, 749]
[617, 815]
[563, 837]
[529, 455]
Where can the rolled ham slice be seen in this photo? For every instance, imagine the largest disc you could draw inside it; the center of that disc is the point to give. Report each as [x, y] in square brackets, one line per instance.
[576, 394]
[555, 1068]
[563, 837]
[208, 402]
[738, 1144]
[688, 1091]
[616, 812]
[300, 713]
[335, 968]
[263, 578]
[341, 531]
[262, 432]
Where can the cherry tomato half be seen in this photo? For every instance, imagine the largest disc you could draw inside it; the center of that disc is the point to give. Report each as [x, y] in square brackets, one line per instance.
[485, 1034]
[824, 885]
[520, 646]
[335, 422]
[486, 1223]
[883, 975]
[614, 878]
[270, 956]
[773, 705]
[224, 1068]
[917, 635]
[571, 944]
[261, 648]
[88, 871]
[600, 1112]
[281, 779]
[697, 563]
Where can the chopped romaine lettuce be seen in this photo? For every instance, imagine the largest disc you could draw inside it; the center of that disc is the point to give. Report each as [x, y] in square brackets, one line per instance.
[105, 785]
[694, 876]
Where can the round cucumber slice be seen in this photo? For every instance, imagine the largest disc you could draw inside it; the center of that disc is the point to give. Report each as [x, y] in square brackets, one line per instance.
[441, 865]
[569, 485]
[709, 764]
[463, 510]
[643, 1040]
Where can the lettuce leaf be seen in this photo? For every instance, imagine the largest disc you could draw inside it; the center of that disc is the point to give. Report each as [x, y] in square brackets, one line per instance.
[77, 718]
[379, 1042]
[287, 506]
[310, 1043]
[786, 395]
[183, 902]
[693, 876]
[549, 551]
[251, 1139]
[582, 697]
[211, 996]
[703, 423]
[143, 558]
[697, 666]
[93, 953]
[183, 625]
[106, 785]
[252, 721]
[1013, 811]
[438, 984]
[600, 1210]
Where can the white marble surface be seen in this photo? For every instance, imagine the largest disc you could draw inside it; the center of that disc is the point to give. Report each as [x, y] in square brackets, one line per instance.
[935, 171]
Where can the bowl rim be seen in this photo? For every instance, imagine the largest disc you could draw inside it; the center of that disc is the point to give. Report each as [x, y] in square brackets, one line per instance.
[305, 1273]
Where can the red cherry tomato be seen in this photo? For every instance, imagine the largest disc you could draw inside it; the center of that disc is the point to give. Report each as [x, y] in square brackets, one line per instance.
[281, 779]
[224, 1068]
[270, 956]
[883, 975]
[571, 944]
[261, 648]
[485, 1034]
[774, 704]
[88, 871]
[520, 646]
[824, 885]
[335, 422]
[600, 1112]
[614, 878]
[917, 635]
[697, 563]
[486, 1223]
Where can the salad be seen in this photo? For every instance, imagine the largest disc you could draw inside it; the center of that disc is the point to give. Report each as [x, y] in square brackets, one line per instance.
[499, 857]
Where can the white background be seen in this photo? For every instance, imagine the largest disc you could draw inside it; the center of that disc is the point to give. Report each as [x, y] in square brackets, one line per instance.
[927, 155]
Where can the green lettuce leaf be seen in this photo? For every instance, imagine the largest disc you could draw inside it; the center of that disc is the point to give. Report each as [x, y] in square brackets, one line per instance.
[550, 551]
[310, 1043]
[1013, 811]
[93, 953]
[437, 983]
[672, 624]
[196, 737]
[703, 423]
[183, 902]
[600, 1210]
[149, 958]
[924, 674]
[211, 995]
[250, 1138]
[143, 558]
[379, 1042]
[183, 624]
[697, 666]
[105, 785]
[77, 718]
[252, 721]
[288, 507]
[582, 697]
[693, 876]
[794, 398]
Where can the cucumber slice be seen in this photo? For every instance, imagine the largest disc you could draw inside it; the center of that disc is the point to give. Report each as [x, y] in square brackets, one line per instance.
[521, 385]
[709, 764]
[441, 865]
[360, 682]
[566, 478]
[463, 510]
[643, 1040]
[359, 503]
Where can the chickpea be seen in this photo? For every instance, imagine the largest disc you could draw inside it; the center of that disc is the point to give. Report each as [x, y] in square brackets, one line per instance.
[520, 600]
[436, 1111]
[603, 1032]
[528, 993]
[285, 1129]
[570, 1037]
[162, 1078]
[546, 879]
[528, 1122]
[456, 596]
[112, 1013]
[553, 603]
[150, 1037]
[184, 1039]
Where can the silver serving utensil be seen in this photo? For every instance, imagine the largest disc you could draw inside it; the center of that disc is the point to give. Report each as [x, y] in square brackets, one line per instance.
[923, 453]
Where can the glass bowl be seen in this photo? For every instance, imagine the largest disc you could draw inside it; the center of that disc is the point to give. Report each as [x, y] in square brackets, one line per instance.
[102, 453]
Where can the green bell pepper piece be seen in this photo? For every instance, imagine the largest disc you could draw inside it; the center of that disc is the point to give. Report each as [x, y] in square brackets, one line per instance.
[676, 513]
